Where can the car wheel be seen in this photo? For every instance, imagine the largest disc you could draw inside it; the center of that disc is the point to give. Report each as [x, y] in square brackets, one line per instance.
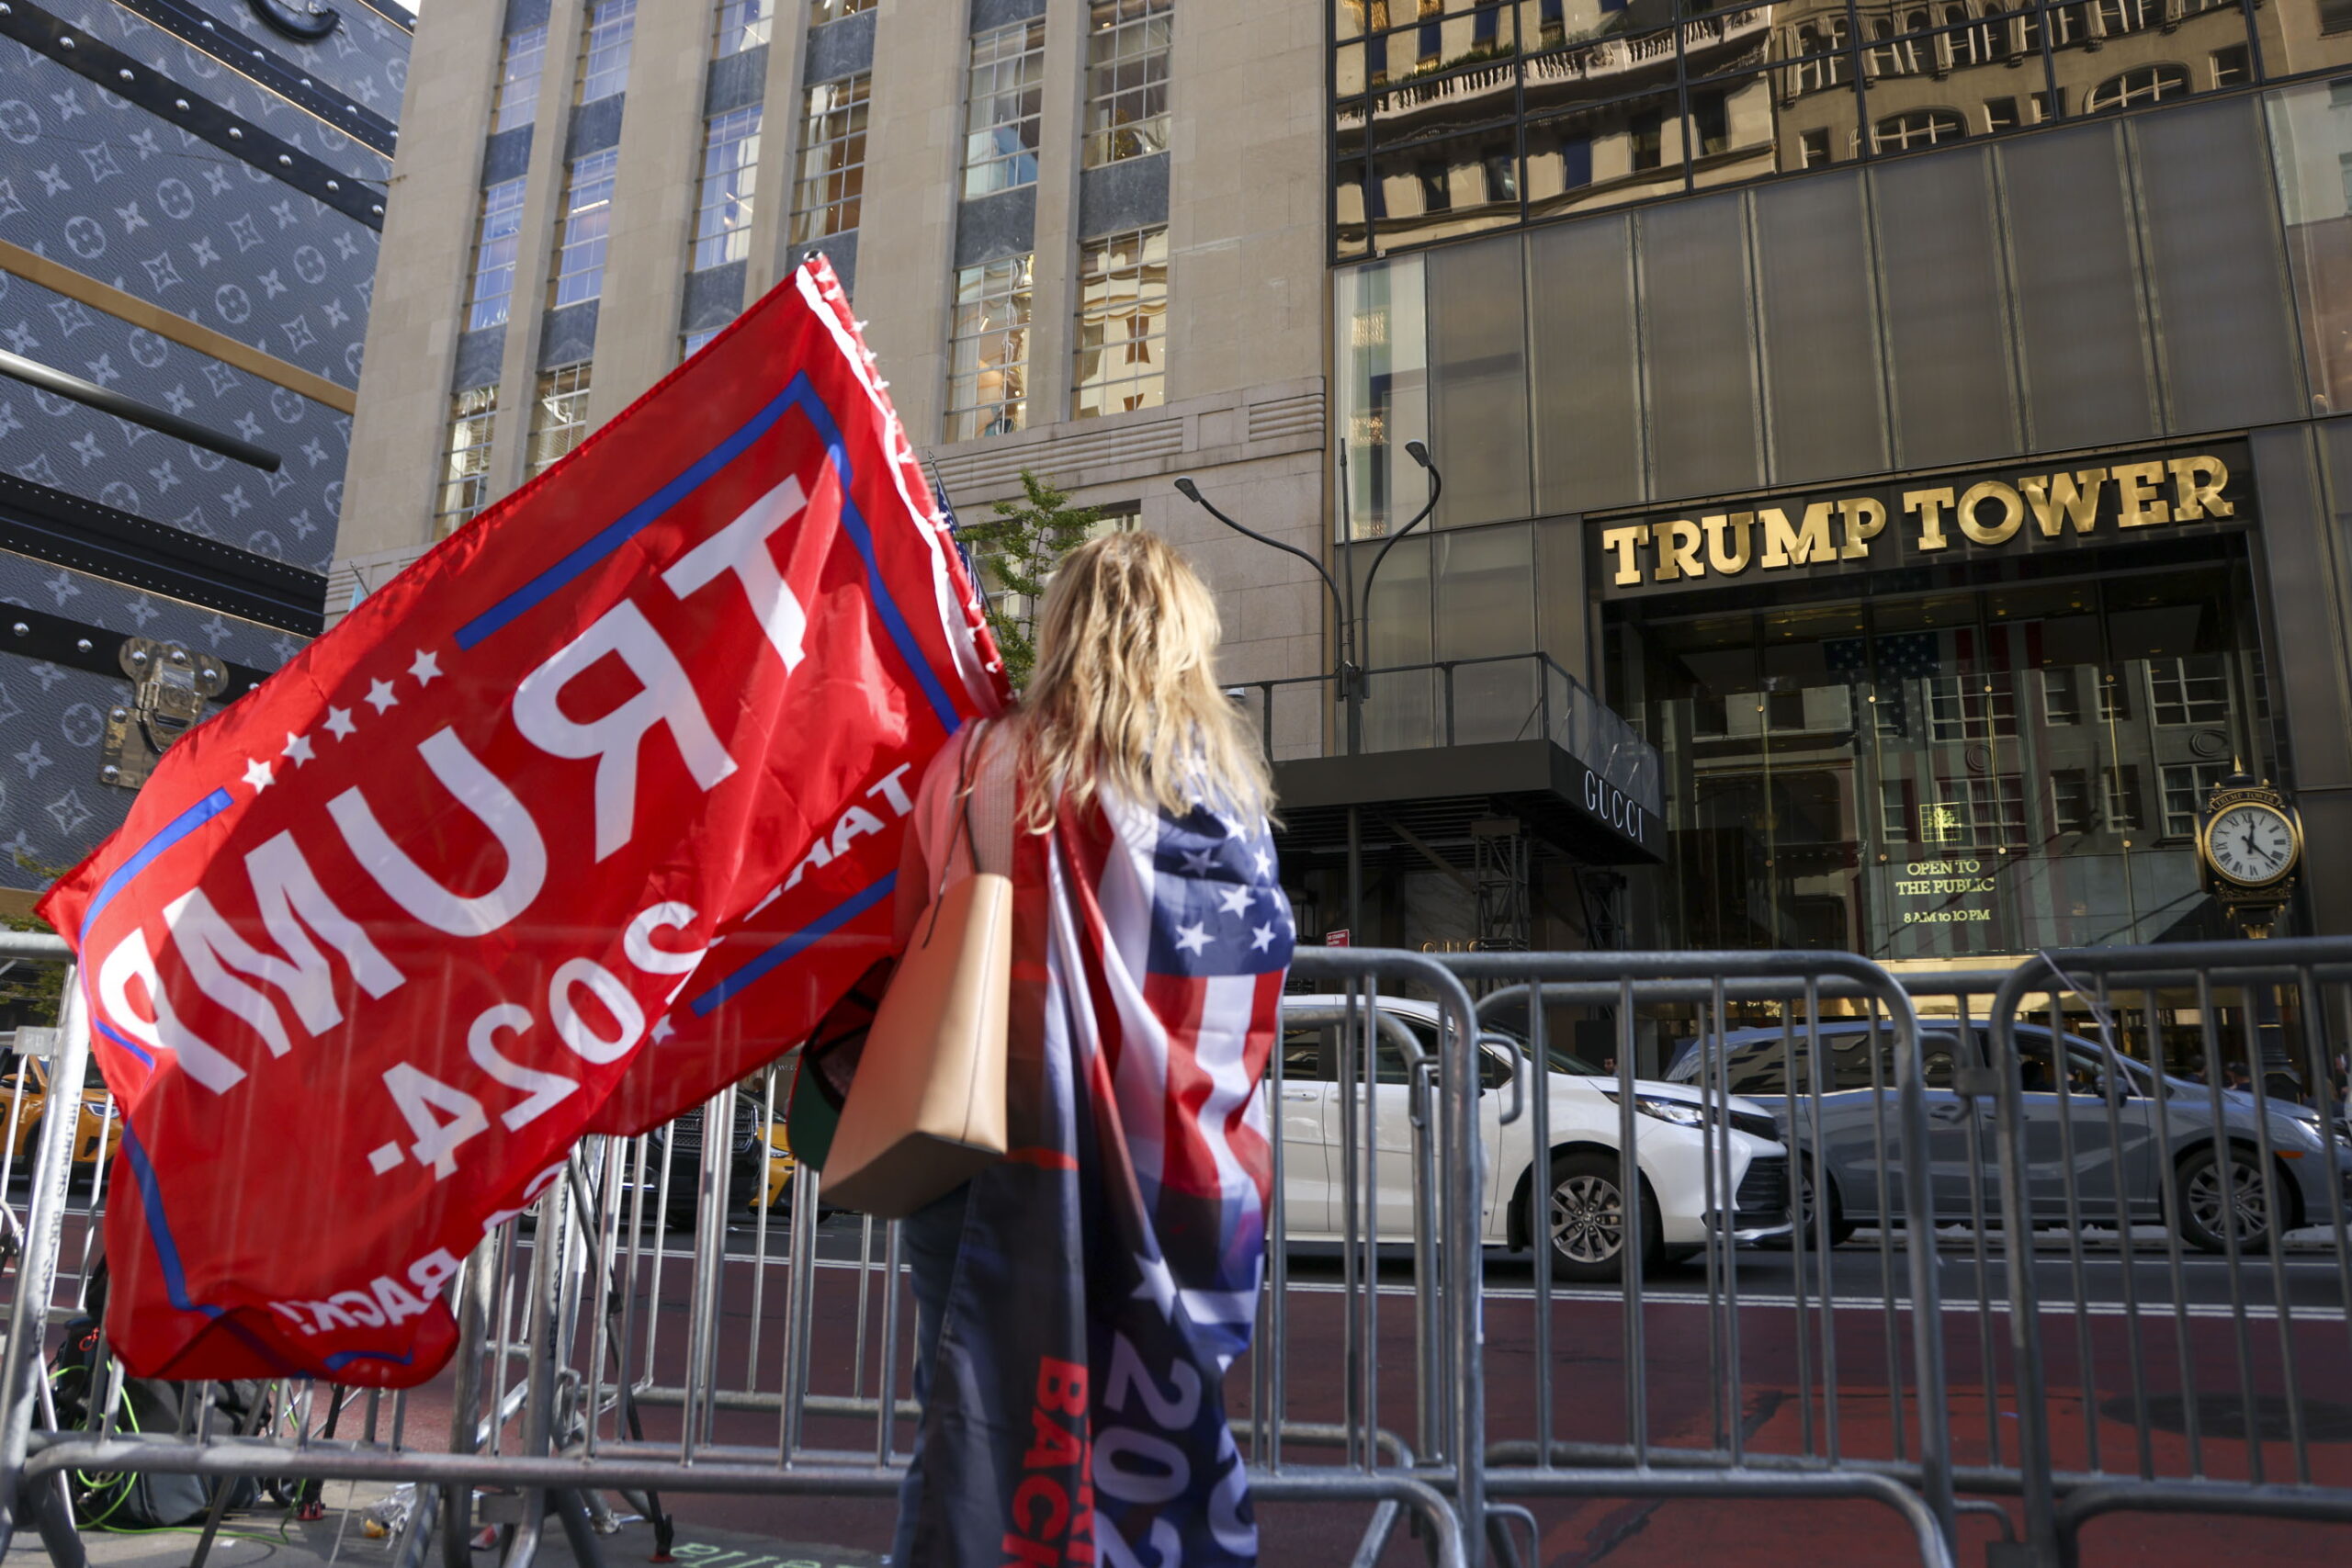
[1586, 1215]
[1841, 1229]
[2206, 1196]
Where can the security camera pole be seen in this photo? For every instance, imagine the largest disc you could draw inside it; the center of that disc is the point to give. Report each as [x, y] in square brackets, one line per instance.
[1350, 613]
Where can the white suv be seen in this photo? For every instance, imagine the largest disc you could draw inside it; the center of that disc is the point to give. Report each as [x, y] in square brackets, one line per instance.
[1671, 1142]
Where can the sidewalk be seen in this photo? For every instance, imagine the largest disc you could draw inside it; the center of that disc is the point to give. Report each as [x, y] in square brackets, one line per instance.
[251, 1539]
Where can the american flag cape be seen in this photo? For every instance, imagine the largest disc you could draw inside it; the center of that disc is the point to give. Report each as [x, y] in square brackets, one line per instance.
[1110, 1265]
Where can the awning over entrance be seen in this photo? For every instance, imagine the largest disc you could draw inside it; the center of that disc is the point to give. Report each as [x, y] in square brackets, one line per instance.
[1436, 793]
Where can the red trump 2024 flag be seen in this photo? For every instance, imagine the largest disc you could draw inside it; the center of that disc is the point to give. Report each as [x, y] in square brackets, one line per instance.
[590, 811]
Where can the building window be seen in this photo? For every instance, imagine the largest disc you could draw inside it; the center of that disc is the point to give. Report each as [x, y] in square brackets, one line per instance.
[2230, 66]
[1710, 121]
[2123, 798]
[494, 243]
[1983, 812]
[2187, 785]
[2148, 84]
[2073, 805]
[603, 56]
[1126, 80]
[832, 160]
[2189, 691]
[1122, 324]
[2000, 115]
[1502, 176]
[2335, 17]
[731, 157]
[1003, 97]
[988, 350]
[823, 11]
[1821, 50]
[1972, 708]
[1648, 131]
[587, 218]
[2062, 697]
[1812, 150]
[518, 78]
[691, 343]
[559, 417]
[2119, 17]
[742, 24]
[1918, 128]
[465, 468]
[1437, 186]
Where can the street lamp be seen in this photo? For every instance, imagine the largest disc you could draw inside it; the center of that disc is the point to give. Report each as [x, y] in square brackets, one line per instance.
[1350, 673]
[1350, 668]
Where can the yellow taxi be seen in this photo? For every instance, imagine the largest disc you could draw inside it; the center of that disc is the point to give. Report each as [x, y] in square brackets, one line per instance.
[24, 1099]
[781, 1166]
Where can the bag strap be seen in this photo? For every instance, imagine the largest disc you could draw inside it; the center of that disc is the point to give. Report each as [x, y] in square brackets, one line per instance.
[972, 742]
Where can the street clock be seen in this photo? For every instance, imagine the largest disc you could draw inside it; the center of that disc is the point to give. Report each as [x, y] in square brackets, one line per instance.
[2250, 843]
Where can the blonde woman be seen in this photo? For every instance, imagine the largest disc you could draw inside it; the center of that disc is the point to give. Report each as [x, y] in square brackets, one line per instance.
[1077, 1305]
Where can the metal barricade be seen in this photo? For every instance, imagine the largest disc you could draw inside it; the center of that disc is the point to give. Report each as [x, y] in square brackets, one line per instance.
[2043, 1242]
[2226, 1194]
[1690, 1168]
[577, 1375]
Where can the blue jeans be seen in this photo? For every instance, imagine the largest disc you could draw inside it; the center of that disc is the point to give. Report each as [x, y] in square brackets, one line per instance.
[931, 1236]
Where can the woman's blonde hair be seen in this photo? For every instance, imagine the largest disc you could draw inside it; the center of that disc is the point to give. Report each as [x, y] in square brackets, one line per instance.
[1123, 694]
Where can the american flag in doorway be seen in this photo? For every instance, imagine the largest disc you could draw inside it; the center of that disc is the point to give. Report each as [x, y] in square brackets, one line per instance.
[1150, 955]
[1900, 656]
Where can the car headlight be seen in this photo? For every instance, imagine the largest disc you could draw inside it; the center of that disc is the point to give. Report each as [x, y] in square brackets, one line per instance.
[2302, 1131]
[1681, 1113]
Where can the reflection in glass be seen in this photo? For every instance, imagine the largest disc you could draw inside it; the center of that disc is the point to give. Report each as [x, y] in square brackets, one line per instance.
[1929, 774]
[2310, 128]
[1381, 320]
[1450, 113]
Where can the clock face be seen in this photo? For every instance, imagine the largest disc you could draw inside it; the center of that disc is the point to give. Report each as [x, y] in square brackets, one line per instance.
[2251, 844]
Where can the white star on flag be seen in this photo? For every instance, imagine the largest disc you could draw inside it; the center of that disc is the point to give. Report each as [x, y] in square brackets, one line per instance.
[426, 668]
[379, 695]
[257, 774]
[1191, 939]
[1260, 938]
[662, 1029]
[1196, 862]
[1236, 899]
[339, 722]
[298, 748]
[1265, 863]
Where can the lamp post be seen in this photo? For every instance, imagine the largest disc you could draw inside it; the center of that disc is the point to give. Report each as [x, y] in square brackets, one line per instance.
[1350, 613]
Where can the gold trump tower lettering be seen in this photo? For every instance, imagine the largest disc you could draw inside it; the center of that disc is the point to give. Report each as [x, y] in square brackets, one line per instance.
[1922, 525]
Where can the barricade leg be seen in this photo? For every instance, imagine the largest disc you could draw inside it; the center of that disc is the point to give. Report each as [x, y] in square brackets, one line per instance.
[21, 1371]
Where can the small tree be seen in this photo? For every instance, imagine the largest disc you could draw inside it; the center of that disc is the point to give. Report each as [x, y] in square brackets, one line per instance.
[32, 993]
[1018, 553]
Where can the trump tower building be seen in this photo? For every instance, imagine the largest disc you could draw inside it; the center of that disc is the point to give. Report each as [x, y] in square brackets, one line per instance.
[1919, 421]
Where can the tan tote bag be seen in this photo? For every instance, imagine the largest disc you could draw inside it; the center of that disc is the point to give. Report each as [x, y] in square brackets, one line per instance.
[926, 1111]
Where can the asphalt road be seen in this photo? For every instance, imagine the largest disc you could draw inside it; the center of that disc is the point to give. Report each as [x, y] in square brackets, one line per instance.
[2312, 1283]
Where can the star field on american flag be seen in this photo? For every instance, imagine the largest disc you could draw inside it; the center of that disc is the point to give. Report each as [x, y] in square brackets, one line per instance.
[1218, 909]
[1883, 664]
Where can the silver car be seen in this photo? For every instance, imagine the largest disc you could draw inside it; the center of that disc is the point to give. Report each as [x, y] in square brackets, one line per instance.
[2122, 1142]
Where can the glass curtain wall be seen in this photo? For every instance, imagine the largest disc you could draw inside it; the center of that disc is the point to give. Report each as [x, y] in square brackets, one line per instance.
[1451, 117]
[1926, 771]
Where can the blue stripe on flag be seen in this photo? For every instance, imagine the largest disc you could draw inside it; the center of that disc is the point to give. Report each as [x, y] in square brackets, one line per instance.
[791, 947]
[802, 395]
[187, 822]
[108, 1030]
[167, 1252]
[635, 520]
